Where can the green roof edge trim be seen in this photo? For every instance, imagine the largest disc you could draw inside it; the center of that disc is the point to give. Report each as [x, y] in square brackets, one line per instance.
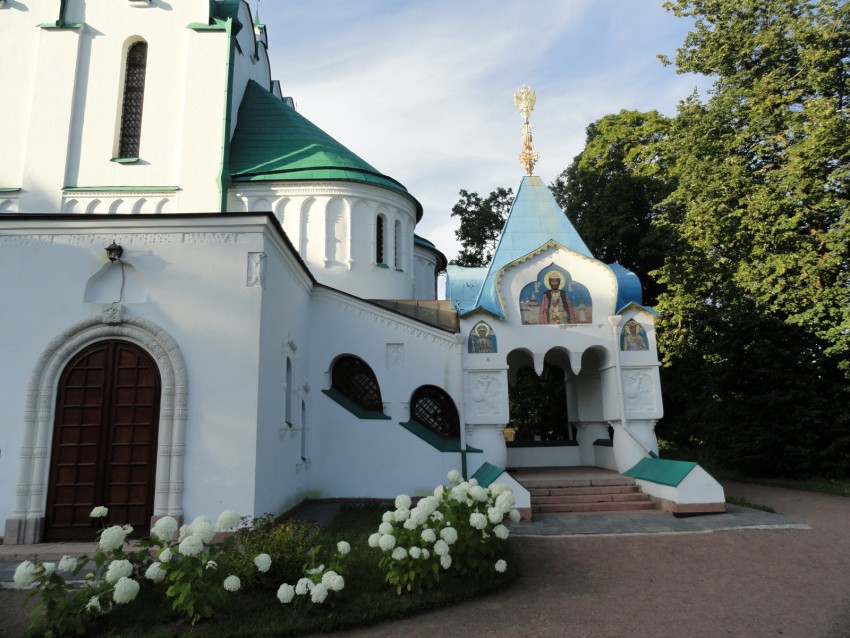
[487, 473]
[511, 444]
[435, 440]
[121, 189]
[64, 25]
[200, 26]
[661, 471]
[352, 407]
[10, 190]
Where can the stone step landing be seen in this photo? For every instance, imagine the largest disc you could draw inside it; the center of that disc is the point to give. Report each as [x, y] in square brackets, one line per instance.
[609, 494]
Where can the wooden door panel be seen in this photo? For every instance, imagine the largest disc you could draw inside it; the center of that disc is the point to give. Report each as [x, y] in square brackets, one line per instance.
[105, 438]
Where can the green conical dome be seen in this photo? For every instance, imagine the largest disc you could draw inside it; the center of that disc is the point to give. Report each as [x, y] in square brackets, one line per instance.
[274, 143]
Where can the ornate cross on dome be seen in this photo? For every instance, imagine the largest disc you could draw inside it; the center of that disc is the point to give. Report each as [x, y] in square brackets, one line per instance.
[524, 99]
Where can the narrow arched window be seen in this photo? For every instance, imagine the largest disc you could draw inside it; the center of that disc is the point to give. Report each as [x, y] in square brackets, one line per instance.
[379, 240]
[134, 94]
[433, 407]
[397, 245]
[288, 400]
[354, 379]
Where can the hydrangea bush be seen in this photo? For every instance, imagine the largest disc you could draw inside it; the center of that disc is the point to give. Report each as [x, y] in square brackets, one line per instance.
[458, 528]
[196, 574]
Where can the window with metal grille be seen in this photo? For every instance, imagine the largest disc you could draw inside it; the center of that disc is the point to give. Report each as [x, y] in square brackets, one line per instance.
[379, 240]
[354, 379]
[433, 407]
[134, 94]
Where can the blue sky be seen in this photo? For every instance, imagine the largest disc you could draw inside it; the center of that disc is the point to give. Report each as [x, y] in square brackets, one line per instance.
[423, 90]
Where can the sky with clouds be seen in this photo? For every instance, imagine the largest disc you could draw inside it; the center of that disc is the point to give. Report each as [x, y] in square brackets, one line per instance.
[423, 89]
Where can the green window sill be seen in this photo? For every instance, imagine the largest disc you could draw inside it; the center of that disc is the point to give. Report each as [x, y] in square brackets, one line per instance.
[124, 160]
[352, 407]
[435, 440]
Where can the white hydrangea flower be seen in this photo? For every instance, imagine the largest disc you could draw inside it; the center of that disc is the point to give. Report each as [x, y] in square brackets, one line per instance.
[428, 535]
[388, 517]
[441, 548]
[203, 529]
[402, 502]
[478, 493]
[228, 519]
[425, 554]
[343, 547]
[285, 593]
[515, 516]
[155, 572]
[429, 504]
[337, 583]
[93, 604]
[497, 488]
[232, 583]
[67, 564]
[165, 528]
[211, 564]
[449, 534]
[128, 529]
[459, 494]
[439, 491]
[191, 546]
[410, 524]
[437, 516]
[505, 501]
[112, 538]
[316, 570]
[126, 590]
[318, 594]
[455, 477]
[501, 532]
[387, 542]
[402, 515]
[399, 553]
[99, 512]
[446, 561]
[417, 518]
[117, 570]
[303, 586]
[49, 568]
[374, 539]
[501, 566]
[263, 562]
[165, 555]
[473, 481]
[477, 520]
[385, 528]
[25, 574]
[495, 515]
[415, 552]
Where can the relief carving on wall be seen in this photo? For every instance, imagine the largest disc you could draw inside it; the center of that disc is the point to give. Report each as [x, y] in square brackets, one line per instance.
[639, 391]
[485, 393]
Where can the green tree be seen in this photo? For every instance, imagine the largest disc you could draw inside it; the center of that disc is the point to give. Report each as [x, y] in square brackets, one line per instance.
[481, 222]
[756, 313]
[616, 187]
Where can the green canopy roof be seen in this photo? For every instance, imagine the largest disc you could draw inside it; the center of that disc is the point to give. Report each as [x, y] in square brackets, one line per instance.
[273, 142]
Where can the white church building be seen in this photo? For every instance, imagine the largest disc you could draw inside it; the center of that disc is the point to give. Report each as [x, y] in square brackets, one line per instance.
[210, 303]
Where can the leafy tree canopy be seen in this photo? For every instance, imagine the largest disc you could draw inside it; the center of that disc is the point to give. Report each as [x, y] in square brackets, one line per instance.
[481, 222]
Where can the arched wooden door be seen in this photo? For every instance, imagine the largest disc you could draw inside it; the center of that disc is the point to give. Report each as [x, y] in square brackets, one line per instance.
[104, 441]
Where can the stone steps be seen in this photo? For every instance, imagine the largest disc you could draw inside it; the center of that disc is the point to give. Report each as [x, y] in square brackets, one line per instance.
[610, 494]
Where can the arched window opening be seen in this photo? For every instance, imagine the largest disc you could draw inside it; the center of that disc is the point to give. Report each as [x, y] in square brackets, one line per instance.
[354, 379]
[131, 108]
[303, 431]
[433, 407]
[379, 240]
[397, 258]
[288, 390]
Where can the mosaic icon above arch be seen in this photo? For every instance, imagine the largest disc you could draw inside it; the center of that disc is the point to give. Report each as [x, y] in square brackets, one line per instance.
[554, 298]
[633, 337]
[482, 339]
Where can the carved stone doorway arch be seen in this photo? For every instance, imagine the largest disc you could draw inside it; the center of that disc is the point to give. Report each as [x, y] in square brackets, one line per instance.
[27, 522]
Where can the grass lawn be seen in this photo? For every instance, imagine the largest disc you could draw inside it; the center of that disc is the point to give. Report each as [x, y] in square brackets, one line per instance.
[366, 599]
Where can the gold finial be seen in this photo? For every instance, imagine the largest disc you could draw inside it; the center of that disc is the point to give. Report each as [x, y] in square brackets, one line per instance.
[524, 99]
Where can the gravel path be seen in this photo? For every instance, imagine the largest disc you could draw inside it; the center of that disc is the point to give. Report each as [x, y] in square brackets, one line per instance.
[749, 583]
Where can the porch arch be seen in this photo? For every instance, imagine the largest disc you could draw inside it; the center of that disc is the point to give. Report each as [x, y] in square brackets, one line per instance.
[34, 464]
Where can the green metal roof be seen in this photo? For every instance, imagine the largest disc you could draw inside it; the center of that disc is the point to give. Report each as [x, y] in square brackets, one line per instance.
[274, 142]
[662, 471]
